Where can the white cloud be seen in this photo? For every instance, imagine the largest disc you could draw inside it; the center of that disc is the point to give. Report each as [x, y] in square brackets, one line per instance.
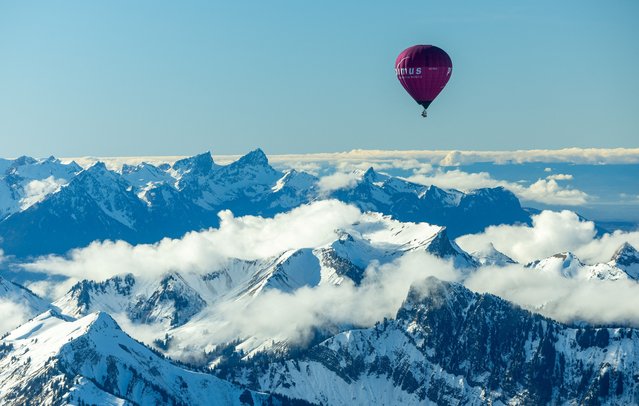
[546, 190]
[380, 295]
[560, 176]
[248, 237]
[383, 165]
[551, 232]
[309, 167]
[13, 315]
[36, 190]
[563, 299]
[52, 289]
[453, 158]
[338, 180]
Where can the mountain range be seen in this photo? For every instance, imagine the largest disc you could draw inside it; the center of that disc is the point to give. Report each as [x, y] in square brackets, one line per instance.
[145, 203]
[190, 336]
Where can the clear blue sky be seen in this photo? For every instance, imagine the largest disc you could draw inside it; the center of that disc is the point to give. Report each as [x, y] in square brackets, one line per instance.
[180, 77]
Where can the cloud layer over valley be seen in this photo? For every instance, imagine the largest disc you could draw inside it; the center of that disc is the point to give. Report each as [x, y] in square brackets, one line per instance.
[382, 289]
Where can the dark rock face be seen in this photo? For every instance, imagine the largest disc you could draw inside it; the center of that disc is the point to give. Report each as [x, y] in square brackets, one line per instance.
[450, 345]
[83, 290]
[461, 213]
[626, 255]
[174, 299]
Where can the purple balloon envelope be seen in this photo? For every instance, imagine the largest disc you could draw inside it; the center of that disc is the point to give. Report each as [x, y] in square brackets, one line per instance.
[423, 70]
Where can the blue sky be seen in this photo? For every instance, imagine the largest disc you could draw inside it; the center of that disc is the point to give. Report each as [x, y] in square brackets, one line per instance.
[157, 78]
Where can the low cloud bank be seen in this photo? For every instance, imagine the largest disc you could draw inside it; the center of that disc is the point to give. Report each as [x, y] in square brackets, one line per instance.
[551, 232]
[454, 158]
[547, 190]
[435, 157]
[248, 237]
[597, 302]
[292, 317]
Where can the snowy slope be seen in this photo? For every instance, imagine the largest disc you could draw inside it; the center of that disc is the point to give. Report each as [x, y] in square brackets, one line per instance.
[491, 256]
[623, 265]
[145, 175]
[54, 359]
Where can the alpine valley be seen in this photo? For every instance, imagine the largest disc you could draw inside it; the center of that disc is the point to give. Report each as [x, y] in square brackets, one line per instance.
[195, 283]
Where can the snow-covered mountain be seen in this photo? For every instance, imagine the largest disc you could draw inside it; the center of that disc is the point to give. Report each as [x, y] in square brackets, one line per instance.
[445, 344]
[54, 359]
[462, 213]
[491, 256]
[374, 237]
[169, 301]
[97, 204]
[48, 207]
[19, 294]
[25, 181]
[623, 265]
[448, 345]
[178, 303]
[626, 258]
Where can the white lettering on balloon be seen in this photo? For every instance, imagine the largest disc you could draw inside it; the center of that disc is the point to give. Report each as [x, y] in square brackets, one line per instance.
[413, 72]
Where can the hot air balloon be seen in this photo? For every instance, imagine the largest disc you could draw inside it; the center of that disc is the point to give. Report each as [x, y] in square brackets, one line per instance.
[423, 70]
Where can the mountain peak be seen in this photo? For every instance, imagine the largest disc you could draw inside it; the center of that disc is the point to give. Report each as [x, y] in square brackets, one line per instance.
[101, 321]
[201, 163]
[492, 256]
[567, 257]
[439, 197]
[370, 175]
[442, 247]
[433, 292]
[97, 171]
[255, 157]
[23, 160]
[97, 167]
[626, 255]
[565, 264]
